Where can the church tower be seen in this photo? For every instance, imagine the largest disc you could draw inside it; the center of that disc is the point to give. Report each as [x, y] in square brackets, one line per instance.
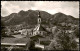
[39, 18]
[37, 28]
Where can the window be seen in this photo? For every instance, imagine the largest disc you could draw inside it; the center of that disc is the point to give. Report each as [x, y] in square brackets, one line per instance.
[40, 32]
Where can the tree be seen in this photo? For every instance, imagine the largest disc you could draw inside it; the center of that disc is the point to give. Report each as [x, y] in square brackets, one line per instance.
[76, 32]
[3, 33]
[67, 40]
[63, 41]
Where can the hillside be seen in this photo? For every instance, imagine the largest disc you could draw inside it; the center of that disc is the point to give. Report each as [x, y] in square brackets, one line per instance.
[61, 17]
[30, 18]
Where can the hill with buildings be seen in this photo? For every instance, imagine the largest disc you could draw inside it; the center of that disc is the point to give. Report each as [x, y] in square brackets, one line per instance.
[58, 27]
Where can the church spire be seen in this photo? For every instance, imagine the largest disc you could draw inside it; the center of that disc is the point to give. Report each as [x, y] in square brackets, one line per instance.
[39, 15]
[39, 18]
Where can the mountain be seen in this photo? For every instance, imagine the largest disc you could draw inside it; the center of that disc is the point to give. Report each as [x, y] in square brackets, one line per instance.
[30, 18]
[61, 17]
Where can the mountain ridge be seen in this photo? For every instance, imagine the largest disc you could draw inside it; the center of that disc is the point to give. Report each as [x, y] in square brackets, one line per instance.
[30, 18]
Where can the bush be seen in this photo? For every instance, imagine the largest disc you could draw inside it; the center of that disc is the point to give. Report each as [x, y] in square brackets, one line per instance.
[63, 41]
[76, 32]
[45, 42]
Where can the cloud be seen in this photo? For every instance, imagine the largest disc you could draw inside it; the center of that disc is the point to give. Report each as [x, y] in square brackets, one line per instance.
[22, 4]
[69, 8]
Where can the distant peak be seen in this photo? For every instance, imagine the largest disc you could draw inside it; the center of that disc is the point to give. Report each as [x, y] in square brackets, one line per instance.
[12, 14]
[22, 11]
[30, 10]
[60, 13]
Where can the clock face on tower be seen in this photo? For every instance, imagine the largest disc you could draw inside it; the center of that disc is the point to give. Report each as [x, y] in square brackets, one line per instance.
[39, 20]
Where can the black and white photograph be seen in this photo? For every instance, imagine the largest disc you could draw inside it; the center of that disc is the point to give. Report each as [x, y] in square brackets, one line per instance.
[39, 25]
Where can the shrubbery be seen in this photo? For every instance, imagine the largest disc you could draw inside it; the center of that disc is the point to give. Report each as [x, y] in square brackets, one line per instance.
[63, 41]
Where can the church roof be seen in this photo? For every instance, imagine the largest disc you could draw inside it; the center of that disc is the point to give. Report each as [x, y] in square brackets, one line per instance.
[41, 28]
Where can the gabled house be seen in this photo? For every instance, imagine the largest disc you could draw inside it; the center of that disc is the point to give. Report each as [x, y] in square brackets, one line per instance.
[15, 43]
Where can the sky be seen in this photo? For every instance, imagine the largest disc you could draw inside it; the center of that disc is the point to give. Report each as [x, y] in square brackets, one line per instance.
[52, 7]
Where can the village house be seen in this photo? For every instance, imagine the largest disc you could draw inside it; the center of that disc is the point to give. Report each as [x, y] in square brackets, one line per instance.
[11, 43]
[8, 31]
[23, 31]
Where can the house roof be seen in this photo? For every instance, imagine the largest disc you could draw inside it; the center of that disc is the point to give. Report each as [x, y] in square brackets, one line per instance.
[8, 40]
[15, 40]
[37, 36]
[18, 36]
[44, 39]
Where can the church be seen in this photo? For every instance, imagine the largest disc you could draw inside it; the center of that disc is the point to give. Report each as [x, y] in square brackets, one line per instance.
[39, 29]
